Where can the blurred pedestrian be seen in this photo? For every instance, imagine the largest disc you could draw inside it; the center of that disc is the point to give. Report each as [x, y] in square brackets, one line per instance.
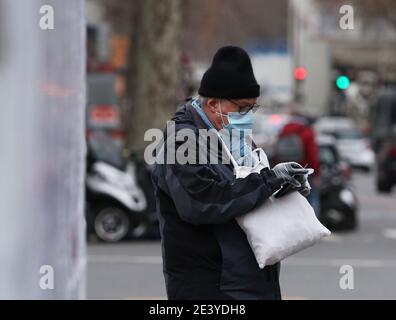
[297, 142]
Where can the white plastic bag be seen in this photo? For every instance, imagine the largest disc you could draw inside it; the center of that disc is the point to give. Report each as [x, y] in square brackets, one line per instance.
[280, 227]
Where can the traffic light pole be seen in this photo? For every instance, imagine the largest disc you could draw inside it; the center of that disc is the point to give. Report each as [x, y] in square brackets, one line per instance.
[294, 40]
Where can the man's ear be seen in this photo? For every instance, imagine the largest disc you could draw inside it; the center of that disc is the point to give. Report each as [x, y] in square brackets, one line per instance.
[212, 104]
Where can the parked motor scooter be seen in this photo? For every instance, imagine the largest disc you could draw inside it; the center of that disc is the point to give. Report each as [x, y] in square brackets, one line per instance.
[117, 205]
[338, 202]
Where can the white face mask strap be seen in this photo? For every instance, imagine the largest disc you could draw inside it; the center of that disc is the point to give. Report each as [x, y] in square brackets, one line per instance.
[221, 114]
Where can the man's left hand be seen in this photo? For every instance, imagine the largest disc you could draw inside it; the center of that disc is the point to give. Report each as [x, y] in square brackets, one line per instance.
[304, 189]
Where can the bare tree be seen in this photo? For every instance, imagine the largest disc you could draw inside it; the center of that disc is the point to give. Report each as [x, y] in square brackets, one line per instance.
[155, 66]
[161, 30]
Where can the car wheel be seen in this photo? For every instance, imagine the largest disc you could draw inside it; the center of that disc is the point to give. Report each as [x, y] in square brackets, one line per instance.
[111, 223]
[384, 186]
[339, 220]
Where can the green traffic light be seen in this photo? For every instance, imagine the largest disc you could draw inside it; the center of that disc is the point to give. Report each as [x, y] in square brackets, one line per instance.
[343, 82]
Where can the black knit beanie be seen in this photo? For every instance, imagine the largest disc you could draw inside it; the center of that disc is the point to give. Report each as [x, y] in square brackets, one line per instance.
[230, 76]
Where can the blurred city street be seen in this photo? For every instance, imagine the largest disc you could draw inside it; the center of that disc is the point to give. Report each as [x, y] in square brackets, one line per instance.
[133, 270]
[241, 131]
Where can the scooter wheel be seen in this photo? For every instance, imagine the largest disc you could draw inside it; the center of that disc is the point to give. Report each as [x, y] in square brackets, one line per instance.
[111, 223]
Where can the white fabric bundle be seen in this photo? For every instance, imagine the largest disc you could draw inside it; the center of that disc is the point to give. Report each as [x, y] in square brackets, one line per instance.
[280, 227]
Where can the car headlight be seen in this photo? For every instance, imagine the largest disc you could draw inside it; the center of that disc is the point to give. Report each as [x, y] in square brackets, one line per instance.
[347, 196]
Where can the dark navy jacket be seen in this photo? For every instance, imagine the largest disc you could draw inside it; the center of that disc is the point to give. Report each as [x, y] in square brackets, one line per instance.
[206, 254]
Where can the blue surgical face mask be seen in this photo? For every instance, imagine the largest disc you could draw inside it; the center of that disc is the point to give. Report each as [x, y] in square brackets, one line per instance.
[238, 125]
[237, 121]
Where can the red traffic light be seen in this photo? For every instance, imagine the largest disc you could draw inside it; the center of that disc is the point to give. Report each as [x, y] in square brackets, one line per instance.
[300, 73]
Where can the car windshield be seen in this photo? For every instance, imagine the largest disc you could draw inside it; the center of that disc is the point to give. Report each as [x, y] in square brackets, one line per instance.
[348, 134]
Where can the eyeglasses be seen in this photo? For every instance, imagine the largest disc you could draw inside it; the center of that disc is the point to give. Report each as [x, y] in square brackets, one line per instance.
[245, 109]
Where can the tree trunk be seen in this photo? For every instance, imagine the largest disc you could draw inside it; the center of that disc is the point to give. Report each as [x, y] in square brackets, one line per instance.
[155, 67]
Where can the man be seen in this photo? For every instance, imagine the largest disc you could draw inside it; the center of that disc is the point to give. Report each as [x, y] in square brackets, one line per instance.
[206, 254]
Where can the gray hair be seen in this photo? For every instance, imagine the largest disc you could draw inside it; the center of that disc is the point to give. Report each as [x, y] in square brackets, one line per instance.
[204, 101]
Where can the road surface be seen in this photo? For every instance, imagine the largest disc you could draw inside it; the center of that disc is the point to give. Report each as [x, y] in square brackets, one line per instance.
[133, 270]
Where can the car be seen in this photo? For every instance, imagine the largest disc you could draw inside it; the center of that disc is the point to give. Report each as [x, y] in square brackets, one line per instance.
[353, 146]
[332, 123]
[384, 140]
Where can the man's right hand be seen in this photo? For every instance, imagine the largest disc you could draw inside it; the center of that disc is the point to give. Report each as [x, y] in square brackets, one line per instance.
[286, 171]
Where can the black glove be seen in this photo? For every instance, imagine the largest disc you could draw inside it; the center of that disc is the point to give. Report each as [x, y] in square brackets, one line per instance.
[287, 170]
[304, 188]
[287, 188]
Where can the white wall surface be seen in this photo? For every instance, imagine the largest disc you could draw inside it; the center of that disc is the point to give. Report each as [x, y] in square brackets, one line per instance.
[42, 90]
